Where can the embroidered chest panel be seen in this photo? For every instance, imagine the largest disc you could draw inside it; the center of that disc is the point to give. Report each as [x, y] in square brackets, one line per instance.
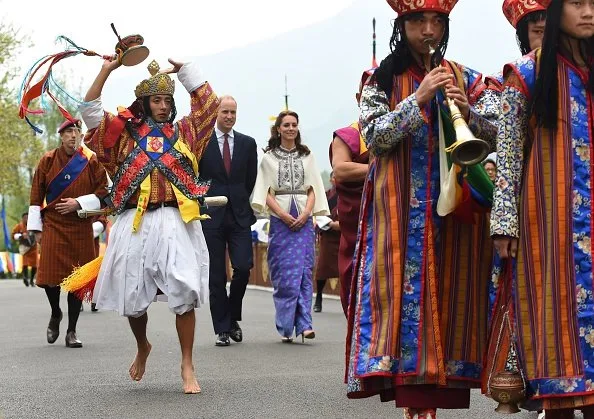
[291, 174]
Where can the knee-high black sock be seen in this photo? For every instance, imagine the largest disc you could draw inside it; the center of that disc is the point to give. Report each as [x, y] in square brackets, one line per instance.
[53, 296]
[321, 283]
[73, 311]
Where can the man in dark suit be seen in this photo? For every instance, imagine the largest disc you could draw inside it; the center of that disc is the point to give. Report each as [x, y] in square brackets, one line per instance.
[231, 162]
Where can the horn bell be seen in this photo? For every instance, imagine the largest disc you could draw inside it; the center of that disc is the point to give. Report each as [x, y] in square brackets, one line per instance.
[467, 150]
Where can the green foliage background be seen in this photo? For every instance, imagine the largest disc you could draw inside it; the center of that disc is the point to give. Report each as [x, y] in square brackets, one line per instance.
[20, 148]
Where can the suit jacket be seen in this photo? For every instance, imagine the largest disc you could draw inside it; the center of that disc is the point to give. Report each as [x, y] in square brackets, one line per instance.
[238, 186]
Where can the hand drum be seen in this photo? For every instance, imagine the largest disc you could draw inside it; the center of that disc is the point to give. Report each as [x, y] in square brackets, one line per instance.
[131, 51]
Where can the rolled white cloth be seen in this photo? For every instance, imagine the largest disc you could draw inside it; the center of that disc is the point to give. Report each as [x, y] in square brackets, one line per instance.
[165, 254]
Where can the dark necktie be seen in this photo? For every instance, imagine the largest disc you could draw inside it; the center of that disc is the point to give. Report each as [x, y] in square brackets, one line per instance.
[227, 155]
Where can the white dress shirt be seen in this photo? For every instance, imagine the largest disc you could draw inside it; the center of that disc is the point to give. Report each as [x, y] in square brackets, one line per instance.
[221, 139]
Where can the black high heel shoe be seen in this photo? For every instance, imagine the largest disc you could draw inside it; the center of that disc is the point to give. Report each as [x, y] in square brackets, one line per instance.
[310, 334]
[286, 340]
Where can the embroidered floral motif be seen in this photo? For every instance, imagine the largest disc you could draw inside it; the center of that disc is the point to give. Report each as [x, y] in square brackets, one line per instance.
[568, 386]
[291, 175]
[510, 142]
[385, 364]
[581, 295]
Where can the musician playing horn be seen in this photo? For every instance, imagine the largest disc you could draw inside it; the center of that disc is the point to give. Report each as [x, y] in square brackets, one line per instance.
[420, 276]
[156, 244]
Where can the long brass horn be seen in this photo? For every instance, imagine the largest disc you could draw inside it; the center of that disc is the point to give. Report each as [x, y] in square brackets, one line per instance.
[467, 150]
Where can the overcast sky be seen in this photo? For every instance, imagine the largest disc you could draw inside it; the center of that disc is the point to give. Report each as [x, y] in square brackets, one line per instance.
[323, 70]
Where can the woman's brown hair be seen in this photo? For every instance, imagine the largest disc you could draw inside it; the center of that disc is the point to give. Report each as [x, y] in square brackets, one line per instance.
[275, 140]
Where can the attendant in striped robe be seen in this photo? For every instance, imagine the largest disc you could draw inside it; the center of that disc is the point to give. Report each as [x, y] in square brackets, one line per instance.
[65, 180]
[418, 311]
[542, 210]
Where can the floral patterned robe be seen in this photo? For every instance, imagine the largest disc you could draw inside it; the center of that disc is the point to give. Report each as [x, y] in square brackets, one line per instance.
[543, 197]
[418, 313]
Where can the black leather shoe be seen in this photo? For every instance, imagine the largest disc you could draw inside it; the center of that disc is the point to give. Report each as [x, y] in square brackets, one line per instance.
[317, 308]
[223, 339]
[93, 307]
[53, 328]
[236, 334]
[72, 341]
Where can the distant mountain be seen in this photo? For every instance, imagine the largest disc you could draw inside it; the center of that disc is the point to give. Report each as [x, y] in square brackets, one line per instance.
[323, 63]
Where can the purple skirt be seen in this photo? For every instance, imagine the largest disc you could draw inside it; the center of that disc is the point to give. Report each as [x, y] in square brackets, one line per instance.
[290, 263]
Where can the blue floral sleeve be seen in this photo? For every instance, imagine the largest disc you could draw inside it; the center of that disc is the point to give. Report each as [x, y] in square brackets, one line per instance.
[484, 115]
[511, 137]
[484, 106]
[384, 129]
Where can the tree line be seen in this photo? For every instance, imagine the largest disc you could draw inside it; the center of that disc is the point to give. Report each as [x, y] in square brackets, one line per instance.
[20, 147]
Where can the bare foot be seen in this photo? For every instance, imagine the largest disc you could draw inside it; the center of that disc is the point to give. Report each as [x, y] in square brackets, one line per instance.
[139, 364]
[191, 385]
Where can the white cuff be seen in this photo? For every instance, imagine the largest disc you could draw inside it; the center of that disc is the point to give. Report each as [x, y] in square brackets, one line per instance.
[92, 112]
[34, 220]
[17, 236]
[89, 202]
[190, 77]
[97, 229]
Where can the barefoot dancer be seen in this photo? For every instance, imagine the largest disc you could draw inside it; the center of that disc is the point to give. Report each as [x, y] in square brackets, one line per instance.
[156, 245]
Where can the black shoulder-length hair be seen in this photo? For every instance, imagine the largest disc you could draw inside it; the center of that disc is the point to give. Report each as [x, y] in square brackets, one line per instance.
[275, 140]
[546, 95]
[401, 57]
[141, 109]
[522, 29]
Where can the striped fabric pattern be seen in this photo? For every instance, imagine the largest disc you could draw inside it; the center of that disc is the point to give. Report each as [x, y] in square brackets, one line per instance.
[553, 290]
[419, 312]
[67, 240]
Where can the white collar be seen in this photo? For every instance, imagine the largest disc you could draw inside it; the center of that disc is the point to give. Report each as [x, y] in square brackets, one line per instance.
[221, 134]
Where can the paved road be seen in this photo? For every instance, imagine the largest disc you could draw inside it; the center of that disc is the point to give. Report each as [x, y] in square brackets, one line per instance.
[259, 378]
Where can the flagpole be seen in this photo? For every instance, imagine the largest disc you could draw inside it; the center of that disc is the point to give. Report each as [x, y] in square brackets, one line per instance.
[286, 94]
[373, 60]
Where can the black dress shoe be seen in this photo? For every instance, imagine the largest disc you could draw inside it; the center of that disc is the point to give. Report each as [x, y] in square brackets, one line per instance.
[317, 308]
[72, 341]
[223, 339]
[53, 328]
[236, 334]
[93, 307]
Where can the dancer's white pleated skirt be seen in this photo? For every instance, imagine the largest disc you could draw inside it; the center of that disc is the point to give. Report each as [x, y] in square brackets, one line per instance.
[165, 254]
